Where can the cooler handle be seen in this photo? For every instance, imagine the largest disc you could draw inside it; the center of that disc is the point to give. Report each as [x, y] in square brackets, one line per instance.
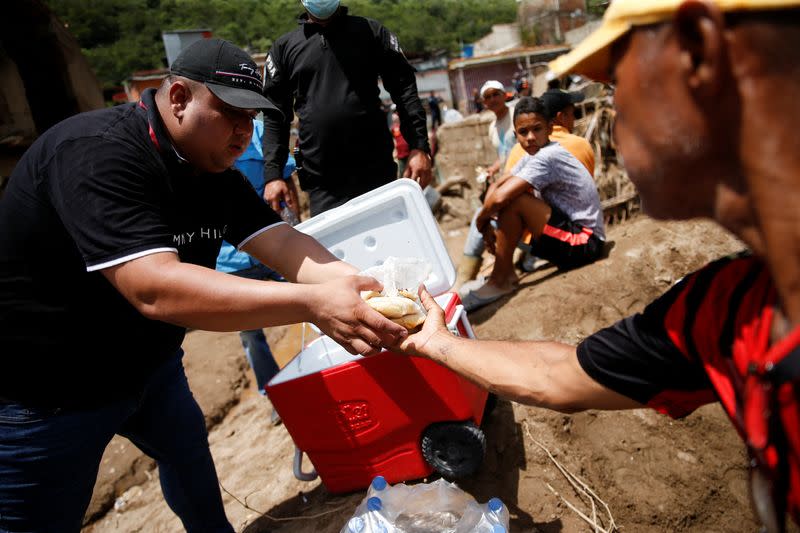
[298, 467]
[459, 315]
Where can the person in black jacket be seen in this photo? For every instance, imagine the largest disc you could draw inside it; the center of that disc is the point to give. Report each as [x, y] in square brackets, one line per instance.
[327, 72]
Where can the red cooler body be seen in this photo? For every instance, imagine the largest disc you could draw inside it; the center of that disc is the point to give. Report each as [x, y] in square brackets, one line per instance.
[365, 418]
[355, 417]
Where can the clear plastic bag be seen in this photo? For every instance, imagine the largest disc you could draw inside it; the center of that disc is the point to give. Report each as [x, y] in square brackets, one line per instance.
[426, 507]
[400, 273]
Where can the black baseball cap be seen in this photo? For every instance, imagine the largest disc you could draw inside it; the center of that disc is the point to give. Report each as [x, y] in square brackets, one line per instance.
[228, 71]
[556, 100]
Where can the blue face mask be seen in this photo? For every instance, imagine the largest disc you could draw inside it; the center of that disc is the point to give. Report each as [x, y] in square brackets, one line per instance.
[321, 9]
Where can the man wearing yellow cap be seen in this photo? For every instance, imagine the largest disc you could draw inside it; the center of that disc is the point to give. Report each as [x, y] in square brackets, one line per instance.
[707, 118]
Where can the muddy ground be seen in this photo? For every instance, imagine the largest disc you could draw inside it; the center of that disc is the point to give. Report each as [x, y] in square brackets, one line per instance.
[655, 474]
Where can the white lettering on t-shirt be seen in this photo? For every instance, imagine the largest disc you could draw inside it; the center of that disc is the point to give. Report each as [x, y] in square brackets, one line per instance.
[205, 233]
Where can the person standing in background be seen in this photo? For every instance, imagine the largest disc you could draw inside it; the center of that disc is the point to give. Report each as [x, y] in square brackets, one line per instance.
[477, 101]
[401, 148]
[239, 263]
[501, 133]
[326, 71]
[435, 111]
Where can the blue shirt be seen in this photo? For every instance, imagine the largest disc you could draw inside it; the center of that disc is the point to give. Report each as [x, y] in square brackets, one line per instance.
[251, 164]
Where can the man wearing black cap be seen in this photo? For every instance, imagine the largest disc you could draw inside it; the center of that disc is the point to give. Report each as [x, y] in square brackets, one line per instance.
[560, 105]
[117, 220]
[326, 71]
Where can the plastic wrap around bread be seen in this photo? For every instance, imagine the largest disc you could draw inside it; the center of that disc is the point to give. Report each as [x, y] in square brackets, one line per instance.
[398, 301]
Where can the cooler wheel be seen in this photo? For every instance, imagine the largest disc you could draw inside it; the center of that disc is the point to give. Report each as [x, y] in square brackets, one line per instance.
[454, 449]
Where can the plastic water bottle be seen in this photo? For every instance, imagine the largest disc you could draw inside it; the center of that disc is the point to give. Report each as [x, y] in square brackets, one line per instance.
[376, 521]
[497, 511]
[374, 504]
[425, 507]
[288, 216]
[355, 525]
[377, 486]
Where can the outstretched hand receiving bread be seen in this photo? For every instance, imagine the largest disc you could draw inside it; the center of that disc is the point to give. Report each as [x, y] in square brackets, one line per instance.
[423, 342]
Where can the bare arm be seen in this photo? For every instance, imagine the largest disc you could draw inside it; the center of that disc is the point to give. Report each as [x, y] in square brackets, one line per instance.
[499, 196]
[545, 374]
[298, 257]
[163, 288]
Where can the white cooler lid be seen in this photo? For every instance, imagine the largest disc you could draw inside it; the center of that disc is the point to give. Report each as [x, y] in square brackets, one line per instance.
[392, 220]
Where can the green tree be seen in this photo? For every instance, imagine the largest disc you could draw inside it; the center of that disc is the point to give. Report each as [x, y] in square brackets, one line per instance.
[121, 36]
[597, 7]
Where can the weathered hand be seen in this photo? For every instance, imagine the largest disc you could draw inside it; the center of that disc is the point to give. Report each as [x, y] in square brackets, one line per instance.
[277, 191]
[292, 199]
[419, 168]
[420, 343]
[340, 312]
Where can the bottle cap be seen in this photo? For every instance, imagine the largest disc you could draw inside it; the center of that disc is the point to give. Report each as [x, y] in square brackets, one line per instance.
[374, 504]
[495, 505]
[379, 483]
[356, 524]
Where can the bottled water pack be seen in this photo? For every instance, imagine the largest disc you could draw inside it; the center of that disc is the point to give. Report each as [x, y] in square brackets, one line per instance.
[439, 506]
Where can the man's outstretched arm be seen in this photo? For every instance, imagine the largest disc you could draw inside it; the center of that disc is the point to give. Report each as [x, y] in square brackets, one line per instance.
[544, 374]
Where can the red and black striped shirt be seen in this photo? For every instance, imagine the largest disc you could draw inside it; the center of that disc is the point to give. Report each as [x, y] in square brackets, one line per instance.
[708, 339]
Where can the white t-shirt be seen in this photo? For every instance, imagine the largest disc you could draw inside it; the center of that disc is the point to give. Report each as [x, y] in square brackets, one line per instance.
[565, 184]
[502, 133]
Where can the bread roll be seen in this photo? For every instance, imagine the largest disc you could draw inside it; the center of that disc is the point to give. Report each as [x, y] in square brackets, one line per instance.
[366, 295]
[393, 306]
[410, 321]
[402, 310]
[407, 294]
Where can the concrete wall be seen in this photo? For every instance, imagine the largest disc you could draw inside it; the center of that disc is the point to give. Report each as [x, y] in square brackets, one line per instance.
[464, 145]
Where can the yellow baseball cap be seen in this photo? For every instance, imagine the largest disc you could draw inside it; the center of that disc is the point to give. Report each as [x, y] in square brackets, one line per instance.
[592, 56]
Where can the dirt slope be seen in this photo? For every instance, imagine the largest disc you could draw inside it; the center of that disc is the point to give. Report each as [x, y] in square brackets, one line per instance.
[655, 474]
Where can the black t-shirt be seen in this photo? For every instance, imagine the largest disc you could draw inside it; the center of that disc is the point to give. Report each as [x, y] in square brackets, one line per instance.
[663, 356]
[96, 190]
[708, 339]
